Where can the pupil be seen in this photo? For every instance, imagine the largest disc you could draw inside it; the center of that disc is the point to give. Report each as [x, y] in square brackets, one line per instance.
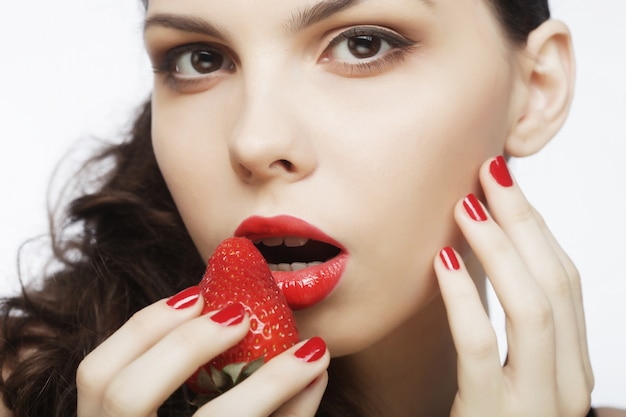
[364, 46]
[206, 61]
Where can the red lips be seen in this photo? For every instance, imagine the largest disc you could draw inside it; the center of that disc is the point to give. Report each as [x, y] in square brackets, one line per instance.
[305, 287]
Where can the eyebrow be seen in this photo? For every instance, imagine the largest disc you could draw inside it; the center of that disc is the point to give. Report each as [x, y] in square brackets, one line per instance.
[325, 9]
[183, 23]
[298, 21]
[318, 12]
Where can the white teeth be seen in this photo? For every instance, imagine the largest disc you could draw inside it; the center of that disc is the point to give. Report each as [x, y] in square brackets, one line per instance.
[284, 267]
[296, 266]
[294, 241]
[289, 241]
[272, 241]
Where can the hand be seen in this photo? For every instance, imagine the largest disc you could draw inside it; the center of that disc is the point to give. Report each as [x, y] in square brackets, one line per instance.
[547, 372]
[135, 370]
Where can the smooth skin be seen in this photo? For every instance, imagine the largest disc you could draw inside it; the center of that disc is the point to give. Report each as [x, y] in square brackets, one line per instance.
[270, 134]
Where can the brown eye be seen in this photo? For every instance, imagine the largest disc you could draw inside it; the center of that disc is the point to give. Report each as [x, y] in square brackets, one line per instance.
[206, 61]
[200, 62]
[365, 46]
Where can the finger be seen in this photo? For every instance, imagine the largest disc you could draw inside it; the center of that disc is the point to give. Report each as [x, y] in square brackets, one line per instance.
[577, 296]
[136, 336]
[532, 240]
[141, 387]
[274, 384]
[518, 219]
[530, 325]
[307, 402]
[479, 370]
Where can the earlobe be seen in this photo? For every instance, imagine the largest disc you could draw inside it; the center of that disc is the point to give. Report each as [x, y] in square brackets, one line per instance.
[548, 76]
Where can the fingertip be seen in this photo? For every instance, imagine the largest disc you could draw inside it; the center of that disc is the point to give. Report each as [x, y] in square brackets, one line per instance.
[187, 299]
[499, 171]
[449, 258]
[496, 170]
[453, 277]
[229, 315]
[450, 271]
[311, 350]
[470, 210]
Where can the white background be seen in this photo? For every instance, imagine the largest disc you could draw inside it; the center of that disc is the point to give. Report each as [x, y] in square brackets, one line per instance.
[75, 69]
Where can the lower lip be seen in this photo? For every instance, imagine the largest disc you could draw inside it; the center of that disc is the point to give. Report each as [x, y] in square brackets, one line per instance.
[309, 286]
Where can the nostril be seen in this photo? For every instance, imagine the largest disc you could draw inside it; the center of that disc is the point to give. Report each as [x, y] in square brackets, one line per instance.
[285, 164]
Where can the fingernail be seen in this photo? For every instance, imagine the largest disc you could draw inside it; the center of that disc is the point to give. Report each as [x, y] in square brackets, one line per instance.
[449, 259]
[312, 350]
[230, 315]
[500, 172]
[184, 299]
[474, 209]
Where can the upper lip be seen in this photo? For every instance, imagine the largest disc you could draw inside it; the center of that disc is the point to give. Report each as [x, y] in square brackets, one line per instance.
[258, 227]
[319, 246]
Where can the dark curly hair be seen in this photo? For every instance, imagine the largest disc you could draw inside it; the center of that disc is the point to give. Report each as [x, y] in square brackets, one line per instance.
[122, 260]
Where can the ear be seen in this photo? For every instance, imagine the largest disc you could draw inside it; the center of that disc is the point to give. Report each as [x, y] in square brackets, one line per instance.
[547, 82]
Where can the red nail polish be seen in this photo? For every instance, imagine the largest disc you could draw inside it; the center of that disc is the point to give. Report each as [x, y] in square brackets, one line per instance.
[184, 299]
[500, 172]
[312, 350]
[474, 209]
[230, 315]
[449, 259]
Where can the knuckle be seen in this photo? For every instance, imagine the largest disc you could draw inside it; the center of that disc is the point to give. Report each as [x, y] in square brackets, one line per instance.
[523, 213]
[574, 278]
[570, 268]
[187, 338]
[541, 221]
[480, 345]
[87, 376]
[141, 323]
[537, 313]
[274, 380]
[501, 247]
[557, 283]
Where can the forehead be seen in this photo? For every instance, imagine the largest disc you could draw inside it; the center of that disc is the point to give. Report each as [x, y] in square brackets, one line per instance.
[296, 15]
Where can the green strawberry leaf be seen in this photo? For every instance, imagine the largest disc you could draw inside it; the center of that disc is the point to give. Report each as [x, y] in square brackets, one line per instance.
[222, 381]
[252, 367]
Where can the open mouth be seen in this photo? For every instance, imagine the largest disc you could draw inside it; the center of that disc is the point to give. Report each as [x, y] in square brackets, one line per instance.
[295, 253]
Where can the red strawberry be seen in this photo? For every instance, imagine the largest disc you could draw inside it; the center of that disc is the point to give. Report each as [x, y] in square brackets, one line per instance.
[237, 272]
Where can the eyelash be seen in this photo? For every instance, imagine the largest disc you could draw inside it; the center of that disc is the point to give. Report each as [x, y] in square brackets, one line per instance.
[398, 48]
[167, 65]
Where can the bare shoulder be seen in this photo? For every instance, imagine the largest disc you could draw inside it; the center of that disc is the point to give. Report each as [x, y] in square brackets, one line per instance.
[610, 412]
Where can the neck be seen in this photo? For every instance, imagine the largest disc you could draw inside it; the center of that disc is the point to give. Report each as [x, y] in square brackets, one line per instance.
[412, 371]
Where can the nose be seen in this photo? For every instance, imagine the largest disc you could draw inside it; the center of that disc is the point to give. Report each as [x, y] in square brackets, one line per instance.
[269, 140]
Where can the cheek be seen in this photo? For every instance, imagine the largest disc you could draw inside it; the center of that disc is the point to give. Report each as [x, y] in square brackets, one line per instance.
[414, 154]
[189, 155]
[416, 143]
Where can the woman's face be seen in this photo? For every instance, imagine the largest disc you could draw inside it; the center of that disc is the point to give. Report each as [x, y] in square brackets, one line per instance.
[367, 119]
